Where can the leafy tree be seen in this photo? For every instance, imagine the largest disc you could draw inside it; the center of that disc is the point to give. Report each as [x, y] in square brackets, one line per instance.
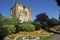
[58, 22]
[58, 2]
[53, 22]
[37, 25]
[42, 18]
[1, 20]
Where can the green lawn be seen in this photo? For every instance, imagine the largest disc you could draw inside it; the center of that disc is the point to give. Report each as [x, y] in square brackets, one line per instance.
[48, 37]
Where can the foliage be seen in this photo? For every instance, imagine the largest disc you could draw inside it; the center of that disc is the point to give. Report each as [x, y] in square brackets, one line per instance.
[10, 28]
[58, 2]
[4, 20]
[45, 21]
[3, 33]
[37, 25]
[11, 20]
[1, 20]
[58, 22]
[18, 28]
[53, 22]
[27, 27]
[44, 25]
[42, 18]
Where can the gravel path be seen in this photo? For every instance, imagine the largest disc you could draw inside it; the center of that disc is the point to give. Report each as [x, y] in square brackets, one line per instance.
[56, 38]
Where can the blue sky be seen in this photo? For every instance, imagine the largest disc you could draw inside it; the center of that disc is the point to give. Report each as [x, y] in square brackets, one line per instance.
[37, 6]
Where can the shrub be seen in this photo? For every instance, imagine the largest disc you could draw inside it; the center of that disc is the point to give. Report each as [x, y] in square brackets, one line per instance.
[18, 28]
[25, 27]
[10, 28]
[37, 26]
[3, 33]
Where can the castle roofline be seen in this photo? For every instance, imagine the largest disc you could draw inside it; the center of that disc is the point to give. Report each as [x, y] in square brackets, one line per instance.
[19, 4]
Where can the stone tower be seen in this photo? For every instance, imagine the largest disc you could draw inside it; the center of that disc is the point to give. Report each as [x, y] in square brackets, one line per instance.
[21, 12]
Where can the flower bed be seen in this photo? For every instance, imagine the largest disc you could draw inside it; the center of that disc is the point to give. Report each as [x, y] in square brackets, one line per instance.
[38, 32]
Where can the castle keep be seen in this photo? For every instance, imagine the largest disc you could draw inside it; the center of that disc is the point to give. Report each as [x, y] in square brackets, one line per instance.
[21, 12]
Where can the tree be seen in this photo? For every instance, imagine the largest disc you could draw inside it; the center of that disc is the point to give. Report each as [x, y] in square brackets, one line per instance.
[58, 2]
[42, 18]
[58, 22]
[0, 14]
[37, 26]
[2, 18]
[53, 22]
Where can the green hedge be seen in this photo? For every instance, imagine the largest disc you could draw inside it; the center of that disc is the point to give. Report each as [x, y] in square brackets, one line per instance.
[25, 27]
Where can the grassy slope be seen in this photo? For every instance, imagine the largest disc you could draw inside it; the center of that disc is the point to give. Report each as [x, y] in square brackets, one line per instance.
[48, 37]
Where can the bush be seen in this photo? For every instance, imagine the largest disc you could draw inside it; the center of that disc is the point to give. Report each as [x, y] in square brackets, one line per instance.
[10, 28]
[3, 33]
[18, 28]
[37, 26]
[25, 27]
